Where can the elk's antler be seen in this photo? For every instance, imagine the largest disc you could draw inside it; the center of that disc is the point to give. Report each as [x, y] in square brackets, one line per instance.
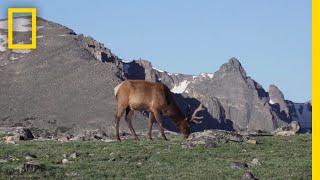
[194, 117]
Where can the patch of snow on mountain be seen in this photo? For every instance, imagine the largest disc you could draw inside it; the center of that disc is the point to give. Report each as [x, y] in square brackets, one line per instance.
[304, 115]
[21, 51]
[158, 70]
[126, 61]
[203, 75]
[271, 102]
[3, 42]
[181, 87]
[210, 75]
[173, 74]
[19, 24]
[12, 58]
[40, 27]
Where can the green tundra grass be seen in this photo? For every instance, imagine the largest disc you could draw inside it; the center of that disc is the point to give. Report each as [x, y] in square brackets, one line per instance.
[280, 157]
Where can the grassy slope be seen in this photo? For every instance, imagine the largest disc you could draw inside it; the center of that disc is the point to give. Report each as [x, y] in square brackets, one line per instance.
[281, 158]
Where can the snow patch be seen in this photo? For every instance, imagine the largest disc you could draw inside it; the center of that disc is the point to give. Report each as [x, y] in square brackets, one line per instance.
[205, 75]
[271, 102]
[181, 87]
[159, 70]
[173, 74]
[126, 61]
[20, 24]
[304, 117]
[21, 51]
[210, 75]
[12, 58]
[40, 27]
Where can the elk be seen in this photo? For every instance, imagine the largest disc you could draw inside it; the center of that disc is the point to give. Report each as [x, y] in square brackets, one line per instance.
[155, 98]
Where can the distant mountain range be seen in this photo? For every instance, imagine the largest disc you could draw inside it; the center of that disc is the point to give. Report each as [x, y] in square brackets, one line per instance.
[66, 86]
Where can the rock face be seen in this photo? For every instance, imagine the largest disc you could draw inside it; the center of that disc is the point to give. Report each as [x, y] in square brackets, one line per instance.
[65, 86]
[277, 97]
[243, 101]
[301, 112]
[62, 86]
[290, 111]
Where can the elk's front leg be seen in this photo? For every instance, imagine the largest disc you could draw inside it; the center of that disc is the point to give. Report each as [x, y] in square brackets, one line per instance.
[150, 123]
[159, 122]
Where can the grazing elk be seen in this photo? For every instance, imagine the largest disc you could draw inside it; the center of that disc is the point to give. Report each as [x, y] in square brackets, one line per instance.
[155, 98]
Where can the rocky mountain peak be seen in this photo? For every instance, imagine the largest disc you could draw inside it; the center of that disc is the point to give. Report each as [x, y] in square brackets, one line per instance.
[233, 66]
[275, 94]
[97, 49]
[277, 98]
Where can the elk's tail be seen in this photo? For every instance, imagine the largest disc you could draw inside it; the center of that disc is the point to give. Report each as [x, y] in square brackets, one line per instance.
[116, 89]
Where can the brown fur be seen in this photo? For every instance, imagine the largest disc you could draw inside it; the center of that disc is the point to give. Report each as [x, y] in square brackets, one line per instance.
[155, 98]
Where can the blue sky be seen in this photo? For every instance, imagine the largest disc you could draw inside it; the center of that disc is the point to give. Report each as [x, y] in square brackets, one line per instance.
[271, 38]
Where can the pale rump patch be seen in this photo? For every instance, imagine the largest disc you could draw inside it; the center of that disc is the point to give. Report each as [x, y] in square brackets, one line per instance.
[116, 89]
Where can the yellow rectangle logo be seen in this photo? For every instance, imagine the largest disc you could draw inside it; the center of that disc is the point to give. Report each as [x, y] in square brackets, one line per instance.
[33, 12]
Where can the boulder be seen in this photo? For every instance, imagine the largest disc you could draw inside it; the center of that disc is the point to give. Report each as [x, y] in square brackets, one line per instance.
[211, 138]
[25, 134]
[31, 167]
[238, 165]
[255, 162]
[288, 130]
[248, 176]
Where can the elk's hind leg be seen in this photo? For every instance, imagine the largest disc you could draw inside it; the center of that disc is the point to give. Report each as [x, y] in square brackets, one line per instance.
[129, 115]
[149, 124]
[119, 113]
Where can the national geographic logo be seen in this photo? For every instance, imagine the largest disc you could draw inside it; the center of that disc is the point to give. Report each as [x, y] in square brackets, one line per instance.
[33, 12]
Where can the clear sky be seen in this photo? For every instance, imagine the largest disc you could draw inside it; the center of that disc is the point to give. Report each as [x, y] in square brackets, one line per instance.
[271, 38]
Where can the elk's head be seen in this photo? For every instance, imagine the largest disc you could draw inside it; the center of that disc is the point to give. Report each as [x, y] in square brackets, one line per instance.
[190, 118]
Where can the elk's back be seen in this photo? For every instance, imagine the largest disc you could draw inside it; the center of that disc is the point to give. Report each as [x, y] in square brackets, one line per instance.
[142, 95]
